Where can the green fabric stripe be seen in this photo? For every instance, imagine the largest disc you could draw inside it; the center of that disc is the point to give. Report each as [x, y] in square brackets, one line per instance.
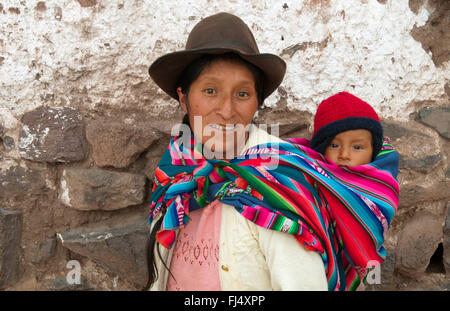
[384, 152]
[269, 194]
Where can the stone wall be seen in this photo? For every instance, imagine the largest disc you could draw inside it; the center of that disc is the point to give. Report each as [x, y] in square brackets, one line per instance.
[82, 126]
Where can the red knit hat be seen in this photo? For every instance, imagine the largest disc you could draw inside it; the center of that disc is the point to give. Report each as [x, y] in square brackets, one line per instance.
[342, 112]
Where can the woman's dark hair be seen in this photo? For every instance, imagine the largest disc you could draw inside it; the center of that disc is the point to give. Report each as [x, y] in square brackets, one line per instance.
[151, 244]
[151, 264]
[189, 75]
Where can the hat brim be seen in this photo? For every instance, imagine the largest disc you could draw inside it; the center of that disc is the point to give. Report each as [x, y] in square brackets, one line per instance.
[166, 70]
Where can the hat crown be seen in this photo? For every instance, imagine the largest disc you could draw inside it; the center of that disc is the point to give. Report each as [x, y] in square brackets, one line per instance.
[341, 106]
[215, 35]
[222, 31]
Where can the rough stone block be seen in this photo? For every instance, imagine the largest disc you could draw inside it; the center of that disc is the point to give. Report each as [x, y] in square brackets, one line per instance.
[97, 189]
[10, 236]
[418, 148]
[118, 144]
[44, 250]
[438, 118]
[20, 182]
[118, 244]
[53, 135]
[387, 268]
[290, 130]
[429, 189]
[60, 284]
[446, 244]
[154, 155]
[417, 242]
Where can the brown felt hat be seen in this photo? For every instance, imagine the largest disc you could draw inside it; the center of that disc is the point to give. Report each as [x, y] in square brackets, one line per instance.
[217, 34]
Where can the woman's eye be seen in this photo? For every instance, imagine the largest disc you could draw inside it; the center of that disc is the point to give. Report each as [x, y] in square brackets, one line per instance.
[243, 94]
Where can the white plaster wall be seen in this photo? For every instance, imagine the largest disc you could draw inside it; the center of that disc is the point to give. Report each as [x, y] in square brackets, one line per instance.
[99, 56]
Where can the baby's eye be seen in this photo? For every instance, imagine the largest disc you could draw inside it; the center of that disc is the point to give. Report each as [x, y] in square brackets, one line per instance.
[357, 147]
[209, 91]
[333, 145]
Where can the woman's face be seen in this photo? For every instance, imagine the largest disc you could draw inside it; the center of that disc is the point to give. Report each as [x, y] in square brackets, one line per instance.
[221, 104]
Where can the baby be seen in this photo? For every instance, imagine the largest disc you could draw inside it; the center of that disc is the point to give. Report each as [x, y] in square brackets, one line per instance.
[347, 130]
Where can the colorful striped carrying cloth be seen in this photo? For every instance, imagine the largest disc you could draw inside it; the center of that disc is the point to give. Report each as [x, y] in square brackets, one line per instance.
[342, 213]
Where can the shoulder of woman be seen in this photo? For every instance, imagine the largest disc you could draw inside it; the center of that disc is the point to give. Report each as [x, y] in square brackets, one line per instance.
[231, 217]
[258, 135]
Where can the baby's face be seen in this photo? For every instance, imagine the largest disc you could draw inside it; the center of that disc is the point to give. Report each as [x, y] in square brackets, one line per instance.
[351, 148]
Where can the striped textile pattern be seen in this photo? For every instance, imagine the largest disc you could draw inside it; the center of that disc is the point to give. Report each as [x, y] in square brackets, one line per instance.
[341, 213]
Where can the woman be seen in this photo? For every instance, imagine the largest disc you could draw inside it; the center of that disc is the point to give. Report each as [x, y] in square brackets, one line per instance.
[225, 89]
[231, 203]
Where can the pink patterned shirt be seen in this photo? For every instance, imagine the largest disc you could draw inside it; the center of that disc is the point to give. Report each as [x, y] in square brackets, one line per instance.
[195, 260]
